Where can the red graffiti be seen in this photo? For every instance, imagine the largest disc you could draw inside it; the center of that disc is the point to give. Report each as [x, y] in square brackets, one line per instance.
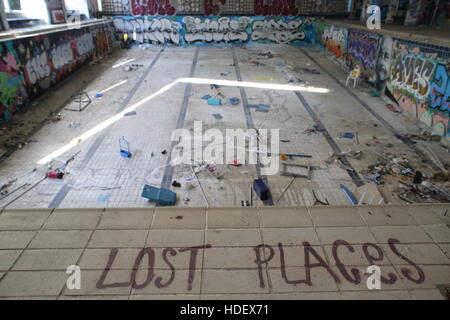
[210, 8]
[152, 7]
[275, 8]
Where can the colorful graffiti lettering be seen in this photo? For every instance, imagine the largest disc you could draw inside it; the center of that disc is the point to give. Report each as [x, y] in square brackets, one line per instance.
[419, 81]
[334, 40]
[186, 30]
[278, 31]
[155, 31]
[363, 51]
[12, 91]
[440, 90]
[223, 29]
[413, 74]
[30, 66]
[48, 60]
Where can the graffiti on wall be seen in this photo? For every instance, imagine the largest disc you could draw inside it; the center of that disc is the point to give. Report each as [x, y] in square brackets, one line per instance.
[48, 59]
[156, 31]
[278, 31]
[385, 57]
[334, 39]
[363, 51]
[143, 271]
[214, 7]
[152, 7]
[419, 81]
[275, 8]
[12, 90]
[223, 29]
[186, 30]
[30, 66]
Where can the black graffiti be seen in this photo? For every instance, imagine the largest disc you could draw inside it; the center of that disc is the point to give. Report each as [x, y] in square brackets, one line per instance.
[149, 253]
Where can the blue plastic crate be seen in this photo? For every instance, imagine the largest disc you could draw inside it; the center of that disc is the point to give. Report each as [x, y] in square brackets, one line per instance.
[160, 196]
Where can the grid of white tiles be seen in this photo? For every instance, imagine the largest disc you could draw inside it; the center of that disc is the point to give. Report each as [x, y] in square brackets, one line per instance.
[145, 132]
[107, 169]
[286, 105]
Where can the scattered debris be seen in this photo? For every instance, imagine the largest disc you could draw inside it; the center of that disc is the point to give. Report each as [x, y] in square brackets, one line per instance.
[404, 139]
[258, 64]
[311, 71]
[319, 202]
[235, 163]
[57, 118]
[74, 125]
[306, 173]
[391, 107]
[286, 156]
[258, 106]
[424, 136]
[267, 55]
[286, 189]
[245, 203]
[314, 129]
[369, 195]
[176, 184]
[82, 100]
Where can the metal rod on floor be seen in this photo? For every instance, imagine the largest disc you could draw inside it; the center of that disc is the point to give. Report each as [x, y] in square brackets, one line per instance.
[22, 194]
[201, 188]
[286, 189]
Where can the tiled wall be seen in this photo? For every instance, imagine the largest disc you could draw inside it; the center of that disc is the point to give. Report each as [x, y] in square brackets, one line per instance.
[225, 7]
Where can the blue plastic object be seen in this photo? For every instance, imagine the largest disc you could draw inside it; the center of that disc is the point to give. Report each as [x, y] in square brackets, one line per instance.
[348, 135]
[160, 196]
[214, 102]
[234, 101]
[261, 189]
[124, 148]
[349, 195]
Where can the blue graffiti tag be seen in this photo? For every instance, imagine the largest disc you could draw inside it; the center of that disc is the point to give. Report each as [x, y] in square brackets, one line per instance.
[440, 90]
